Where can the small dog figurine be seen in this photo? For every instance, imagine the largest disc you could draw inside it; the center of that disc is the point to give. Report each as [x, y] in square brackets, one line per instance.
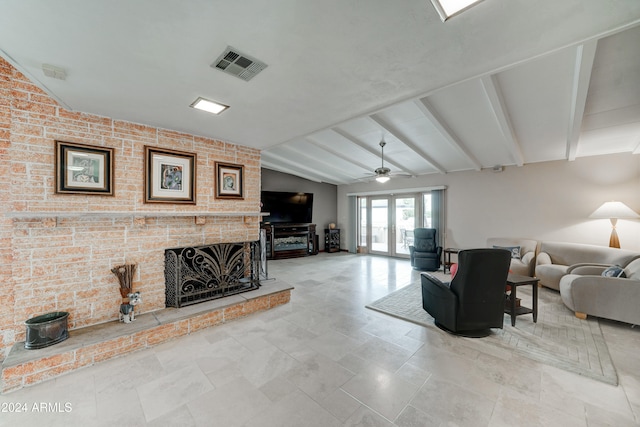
[127, 313]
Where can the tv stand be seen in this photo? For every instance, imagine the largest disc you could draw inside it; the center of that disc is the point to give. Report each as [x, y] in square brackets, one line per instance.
[288, 240]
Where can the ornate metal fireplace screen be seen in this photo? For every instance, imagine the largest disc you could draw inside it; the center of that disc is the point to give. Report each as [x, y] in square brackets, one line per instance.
[203, 273]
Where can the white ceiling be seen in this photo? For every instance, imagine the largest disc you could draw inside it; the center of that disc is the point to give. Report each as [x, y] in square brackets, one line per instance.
[507, 82]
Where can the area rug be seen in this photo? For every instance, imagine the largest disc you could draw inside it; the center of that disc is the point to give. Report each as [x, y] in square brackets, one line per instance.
[558, 338]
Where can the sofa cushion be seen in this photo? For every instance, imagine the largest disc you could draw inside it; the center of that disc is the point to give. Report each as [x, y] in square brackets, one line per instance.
[550, 274]
[520, 267]
[577, 253]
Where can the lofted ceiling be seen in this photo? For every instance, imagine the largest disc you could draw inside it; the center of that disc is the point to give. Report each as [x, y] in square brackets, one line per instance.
[508, 82]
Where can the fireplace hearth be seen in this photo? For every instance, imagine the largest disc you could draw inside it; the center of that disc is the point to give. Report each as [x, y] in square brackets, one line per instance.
[196, 274]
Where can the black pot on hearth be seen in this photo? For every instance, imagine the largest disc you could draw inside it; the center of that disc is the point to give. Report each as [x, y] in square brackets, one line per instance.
[47, 329]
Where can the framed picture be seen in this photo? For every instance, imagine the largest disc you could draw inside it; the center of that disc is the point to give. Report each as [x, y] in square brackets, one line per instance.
[229, 181]
[170, 176]
[83, 169]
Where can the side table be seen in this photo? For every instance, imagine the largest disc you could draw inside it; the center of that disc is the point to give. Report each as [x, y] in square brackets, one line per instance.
[447, 258]
[515, 280]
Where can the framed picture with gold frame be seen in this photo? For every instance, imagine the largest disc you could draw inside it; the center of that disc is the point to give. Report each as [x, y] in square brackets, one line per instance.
[229, 181]
[83, 169]
[170, 176]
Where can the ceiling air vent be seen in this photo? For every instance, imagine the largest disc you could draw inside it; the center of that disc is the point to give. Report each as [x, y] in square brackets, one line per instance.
[238, 64]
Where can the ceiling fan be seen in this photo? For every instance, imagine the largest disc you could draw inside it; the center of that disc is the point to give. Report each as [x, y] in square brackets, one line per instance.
[383, 174]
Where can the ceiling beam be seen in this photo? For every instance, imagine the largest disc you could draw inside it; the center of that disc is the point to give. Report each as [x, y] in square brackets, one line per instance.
[279, 168]
[309, 173]
[339, 154]
[332, 170]
[375, 152]
[393, 131]
[585, 55]
[430, 113]
[500, 112]
[296, 164]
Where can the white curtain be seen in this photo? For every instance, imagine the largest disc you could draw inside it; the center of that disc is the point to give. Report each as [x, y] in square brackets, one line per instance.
[438, 215]
[353, 223]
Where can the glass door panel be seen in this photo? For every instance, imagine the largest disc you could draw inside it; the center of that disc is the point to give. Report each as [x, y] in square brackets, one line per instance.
[404, 223]
[386, 223]
[380, 226]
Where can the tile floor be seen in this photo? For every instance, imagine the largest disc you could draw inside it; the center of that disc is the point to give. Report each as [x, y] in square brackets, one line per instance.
[325, 360]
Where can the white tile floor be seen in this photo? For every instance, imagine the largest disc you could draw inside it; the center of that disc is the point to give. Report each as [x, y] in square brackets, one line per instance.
[325, 360]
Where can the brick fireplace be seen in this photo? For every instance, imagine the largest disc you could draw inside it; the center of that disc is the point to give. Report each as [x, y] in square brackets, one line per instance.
[60, 248]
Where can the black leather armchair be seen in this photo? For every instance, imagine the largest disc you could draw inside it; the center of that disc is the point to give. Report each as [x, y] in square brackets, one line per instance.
[425, 252]
[474, 300]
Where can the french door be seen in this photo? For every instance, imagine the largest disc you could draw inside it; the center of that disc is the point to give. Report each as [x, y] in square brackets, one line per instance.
[387, 223]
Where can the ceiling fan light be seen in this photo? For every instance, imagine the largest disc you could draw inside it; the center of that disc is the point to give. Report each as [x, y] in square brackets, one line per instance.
[382, 173]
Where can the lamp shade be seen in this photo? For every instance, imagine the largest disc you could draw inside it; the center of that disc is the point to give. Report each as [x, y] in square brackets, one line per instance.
[617, 210]
[614, 211]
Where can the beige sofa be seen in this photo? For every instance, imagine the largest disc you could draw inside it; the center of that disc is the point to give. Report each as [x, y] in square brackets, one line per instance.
[523, 262]
[613, 298]
[556, 259]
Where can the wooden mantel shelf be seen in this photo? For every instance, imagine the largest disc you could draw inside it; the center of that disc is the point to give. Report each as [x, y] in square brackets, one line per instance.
[118, 214]
[139, 216]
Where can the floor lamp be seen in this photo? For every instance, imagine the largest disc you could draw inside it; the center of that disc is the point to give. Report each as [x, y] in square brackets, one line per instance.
[614, 211]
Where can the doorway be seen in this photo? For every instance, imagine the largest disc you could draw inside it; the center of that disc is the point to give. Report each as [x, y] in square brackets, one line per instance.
[386, 223]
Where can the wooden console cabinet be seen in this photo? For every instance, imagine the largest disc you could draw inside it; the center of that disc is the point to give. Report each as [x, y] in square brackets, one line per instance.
[290, 240]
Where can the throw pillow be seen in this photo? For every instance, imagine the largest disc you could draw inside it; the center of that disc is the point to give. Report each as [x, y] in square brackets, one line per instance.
[453, 268]
[614, 271]
[515, 250]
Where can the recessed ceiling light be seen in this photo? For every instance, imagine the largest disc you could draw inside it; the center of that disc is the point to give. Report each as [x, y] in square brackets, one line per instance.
[448, 8]
[209, 106]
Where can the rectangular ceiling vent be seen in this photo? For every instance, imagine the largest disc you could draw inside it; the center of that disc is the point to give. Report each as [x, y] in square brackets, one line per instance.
[243, 66]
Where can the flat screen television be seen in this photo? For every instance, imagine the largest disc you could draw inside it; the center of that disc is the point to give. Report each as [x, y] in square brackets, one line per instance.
[287, 207]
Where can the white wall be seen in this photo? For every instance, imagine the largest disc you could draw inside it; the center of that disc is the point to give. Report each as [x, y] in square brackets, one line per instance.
[543, 201]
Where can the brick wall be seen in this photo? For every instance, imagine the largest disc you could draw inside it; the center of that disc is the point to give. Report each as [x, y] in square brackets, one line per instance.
[7, 334]
[63, 263]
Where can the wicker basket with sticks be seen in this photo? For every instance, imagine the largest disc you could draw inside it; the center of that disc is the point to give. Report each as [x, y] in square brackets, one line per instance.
[125, 273]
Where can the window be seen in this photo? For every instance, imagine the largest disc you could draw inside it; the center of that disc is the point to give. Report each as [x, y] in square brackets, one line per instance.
[427, 219]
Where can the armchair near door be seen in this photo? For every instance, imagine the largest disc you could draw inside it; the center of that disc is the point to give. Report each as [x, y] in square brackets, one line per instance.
[425, 252]
[473, 301]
